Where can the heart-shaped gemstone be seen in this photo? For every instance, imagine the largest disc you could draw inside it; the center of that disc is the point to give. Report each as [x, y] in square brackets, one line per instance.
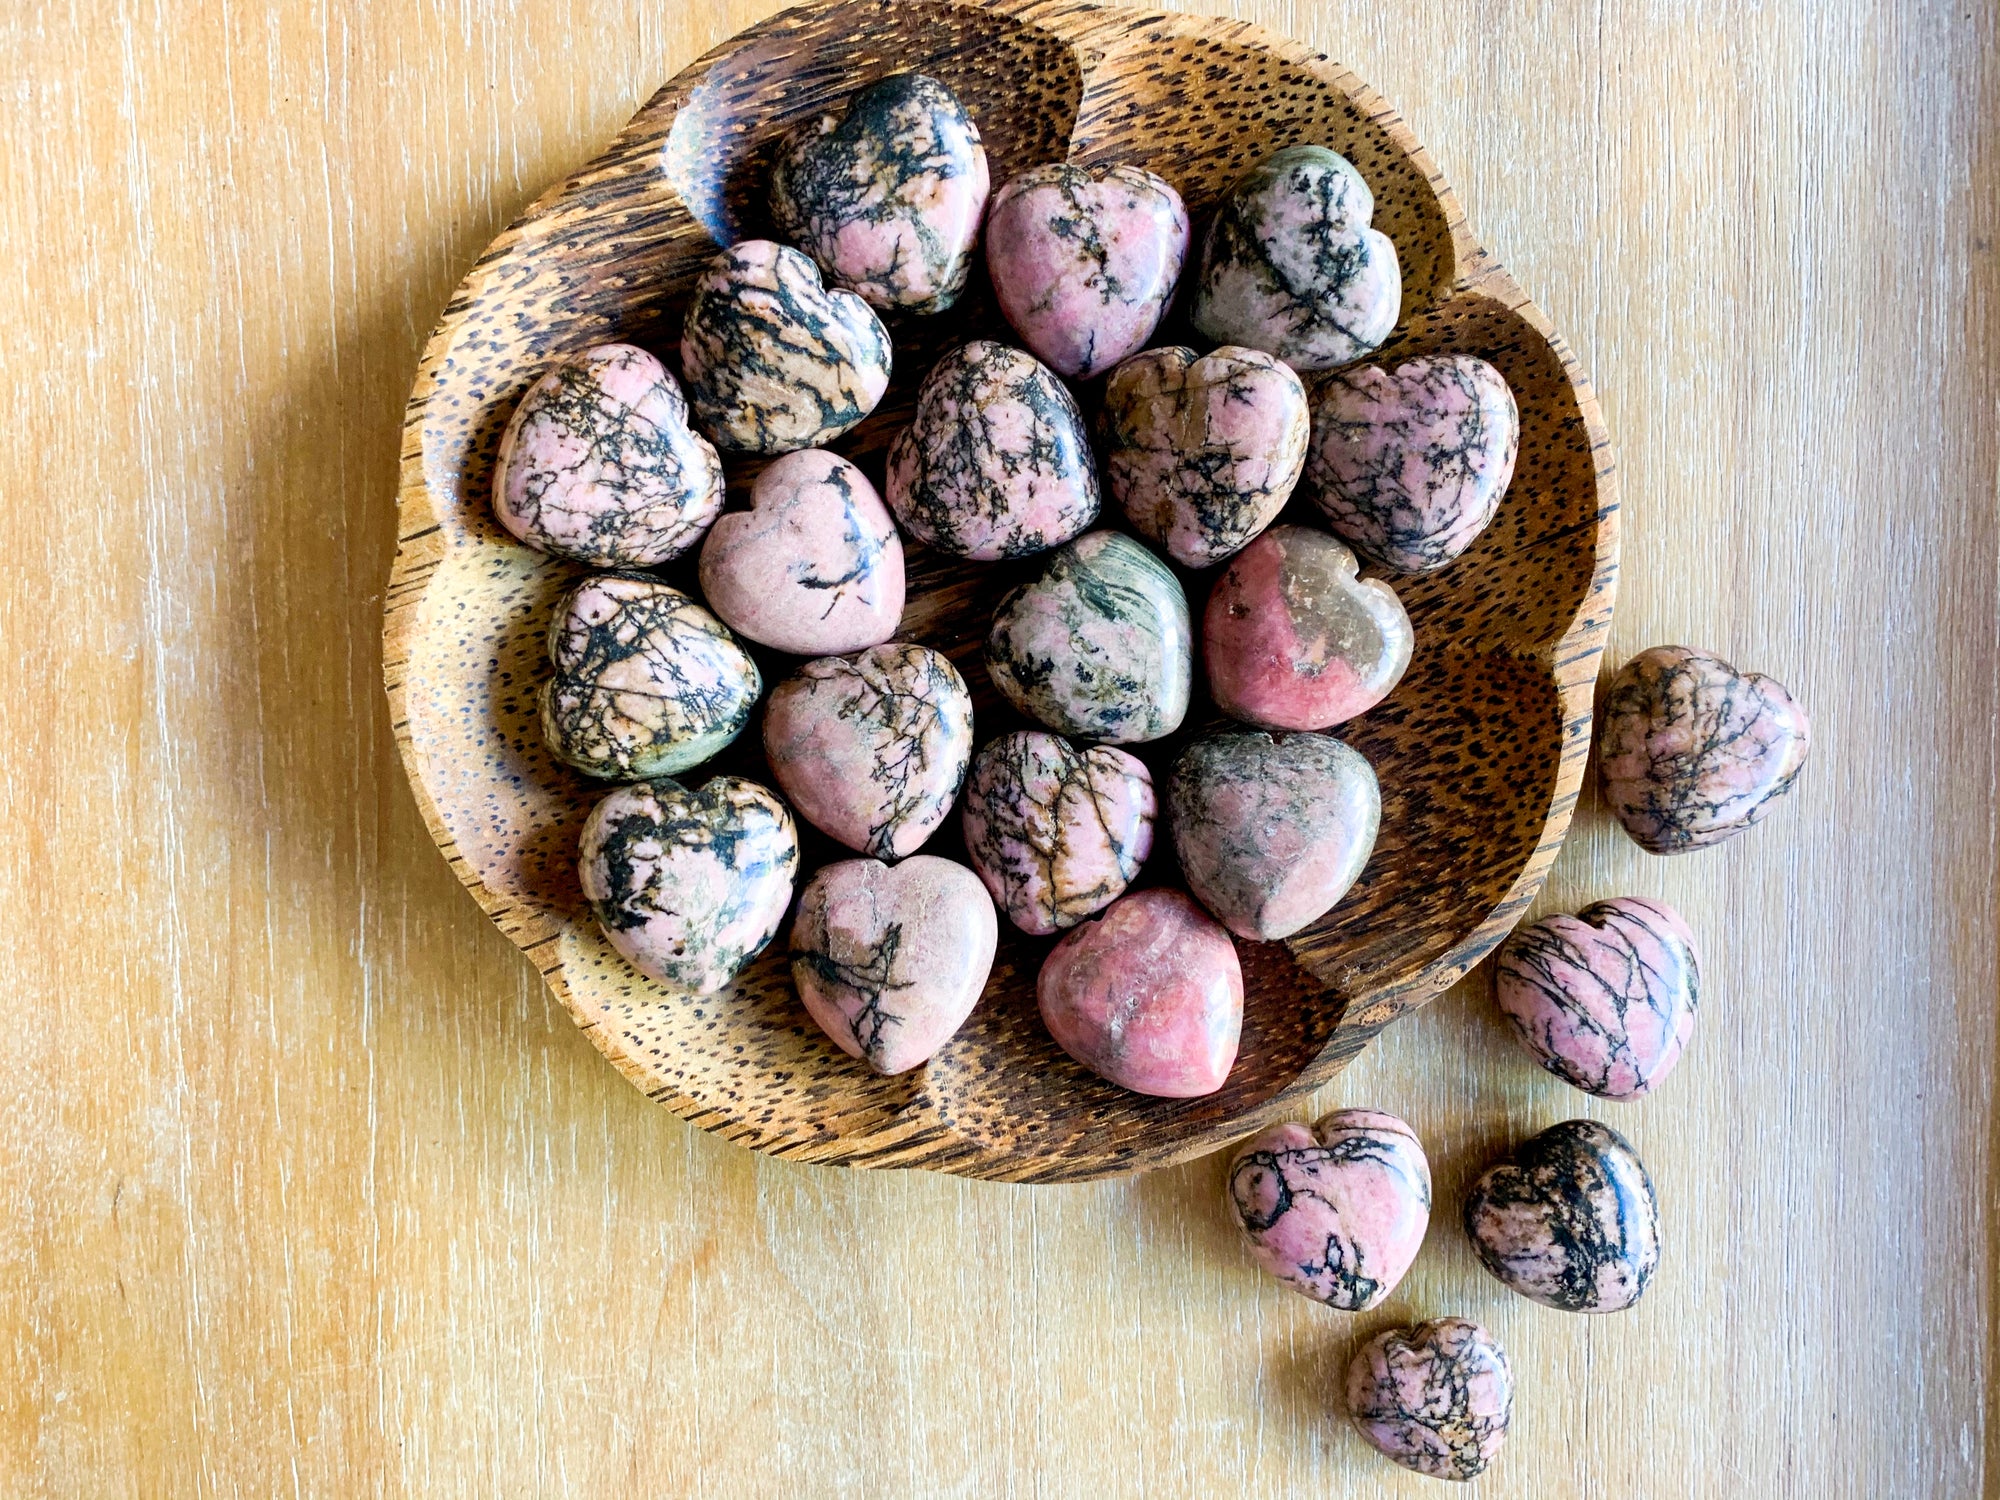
[1409, 467]
[1291, 266]
[1056, 832]
[887, 197]
[871, 748]
[890, 961]
[1148, 996]
[1272, 833]
[1604, 999]
[774, 360]
[1335, 1210]
[647, 681]
[1692, 750]
[1570, 1220]
[1201, 454]
[1083, 265]
[814, 566]
[1436, 1397]
[689, 886]
[598, 463]
[1293, 639]
[1098, 644]
[995, 462]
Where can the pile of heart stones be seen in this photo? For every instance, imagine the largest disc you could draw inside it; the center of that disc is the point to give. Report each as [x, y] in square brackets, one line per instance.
[871, 739]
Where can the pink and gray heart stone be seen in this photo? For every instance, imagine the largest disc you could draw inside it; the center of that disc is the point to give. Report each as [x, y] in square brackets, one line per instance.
[1084, 264]
[689, 886]
[890, 960]
[1201, 454]
[887, 196]
[1056, 832]
[1570, 1220]
[1604, 999]
[1692, 751]
[598, 463]
[1436, 1397]
[1410, 467]
[1335, 1210]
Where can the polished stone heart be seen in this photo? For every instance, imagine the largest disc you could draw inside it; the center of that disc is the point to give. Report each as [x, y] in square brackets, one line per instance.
[1692, 751]
[1335, 1210]
[1605, 999]
[689, 886]
[1083, 264]
[1098, 644]
[871, 748]
[1410, 466]
[1436, 1397]
[888, 195]
[814, 566]
[1570, 1220]
[1293, 639]
[1272, 833]
[1056, 832]
[891, 960]
[775, 361]
[598, 463]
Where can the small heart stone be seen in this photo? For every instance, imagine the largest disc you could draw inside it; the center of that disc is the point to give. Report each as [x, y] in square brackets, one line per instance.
[891, 960]
[1098, 644]
[598, 463]
[1570, 1220]
[814, 566]
[1272, 833]
[774, 360]
[1335, 1210]
[995, 462]
[1409, 467]
[887, 196]
[1056, 832]
[689, 886]
[1291, 266]
[1436, 1397]
[1293, 639]
[871, 748]
[1604, 999]
[1084, 264]
[1692, 751]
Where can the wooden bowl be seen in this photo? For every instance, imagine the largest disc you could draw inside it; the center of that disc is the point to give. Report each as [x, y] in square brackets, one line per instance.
[1480, 750]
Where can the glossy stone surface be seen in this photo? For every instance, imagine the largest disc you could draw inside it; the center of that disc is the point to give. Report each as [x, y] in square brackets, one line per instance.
[1272, 833]
[1436, 1397]
[598, 463]
[1056, 832]
[995, 462]
[1293, 639]
[1335, 1210]
[774, 360]
[890, 960]
[871, 748]
[1691, 751]
[814, 566]
[1201, 454]
[887, 195]
[1098, 644]
[646, 683]
[1604, 999]
[1409, 466]
[1083, 264]
[1148, 996]
[1570, 1220]
[1291, 266]
[689, 886]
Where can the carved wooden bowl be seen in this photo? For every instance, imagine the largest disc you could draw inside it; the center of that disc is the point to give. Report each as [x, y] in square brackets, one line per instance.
[1480, 750]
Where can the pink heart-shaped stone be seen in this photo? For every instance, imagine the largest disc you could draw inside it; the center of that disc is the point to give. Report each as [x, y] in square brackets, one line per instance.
[1436, 1397]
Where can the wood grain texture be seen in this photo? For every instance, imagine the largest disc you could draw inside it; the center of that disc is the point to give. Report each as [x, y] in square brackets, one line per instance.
[306, 1186]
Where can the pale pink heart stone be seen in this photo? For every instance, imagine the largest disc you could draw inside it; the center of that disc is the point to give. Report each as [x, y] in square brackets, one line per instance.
[1436, 1397]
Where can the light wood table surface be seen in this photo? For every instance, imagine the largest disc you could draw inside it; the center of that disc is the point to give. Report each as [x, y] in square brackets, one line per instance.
[306, 1188]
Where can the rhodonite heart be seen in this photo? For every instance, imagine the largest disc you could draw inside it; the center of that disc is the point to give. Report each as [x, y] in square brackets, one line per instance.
[1436, 1397]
